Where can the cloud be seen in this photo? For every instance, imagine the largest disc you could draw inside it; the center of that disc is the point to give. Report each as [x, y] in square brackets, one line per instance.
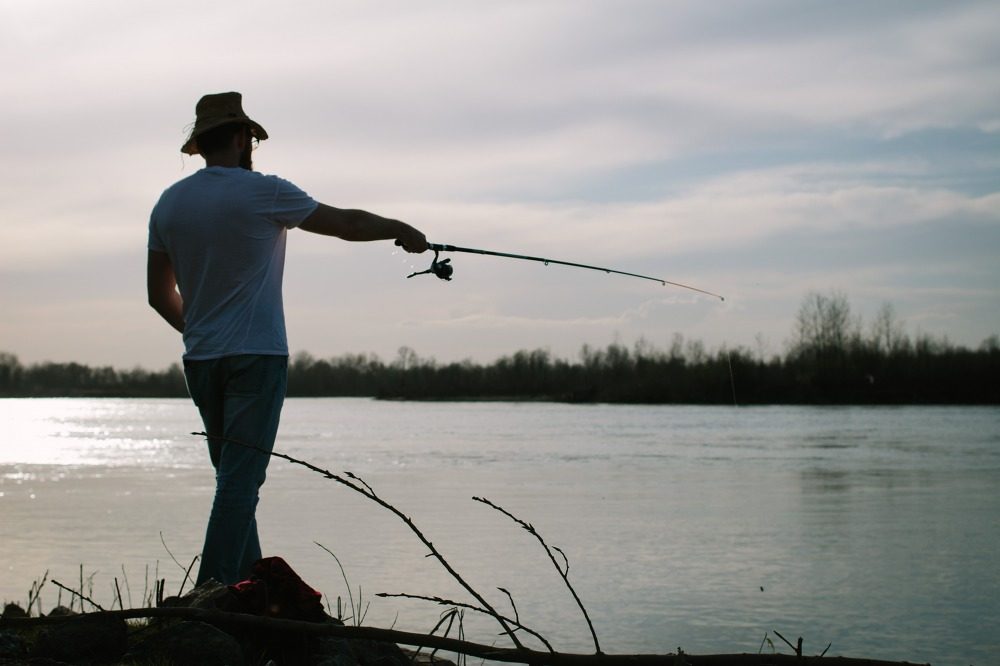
[755, 149]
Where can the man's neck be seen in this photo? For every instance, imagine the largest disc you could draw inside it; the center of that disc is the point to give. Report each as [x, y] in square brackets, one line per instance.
[222, 160]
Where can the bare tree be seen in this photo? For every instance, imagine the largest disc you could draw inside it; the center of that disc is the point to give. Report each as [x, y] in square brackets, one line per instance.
[824, 324]
[887, 335]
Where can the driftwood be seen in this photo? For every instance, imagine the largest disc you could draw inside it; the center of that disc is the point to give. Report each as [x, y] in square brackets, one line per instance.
[509, 655]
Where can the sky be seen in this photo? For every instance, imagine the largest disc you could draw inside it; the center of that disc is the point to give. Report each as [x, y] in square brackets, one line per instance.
[761, 149]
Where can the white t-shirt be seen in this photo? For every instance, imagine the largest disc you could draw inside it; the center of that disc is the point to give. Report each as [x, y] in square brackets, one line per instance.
[224, 230]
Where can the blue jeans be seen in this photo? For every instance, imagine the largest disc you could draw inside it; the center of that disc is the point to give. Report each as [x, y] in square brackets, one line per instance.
[240, 398]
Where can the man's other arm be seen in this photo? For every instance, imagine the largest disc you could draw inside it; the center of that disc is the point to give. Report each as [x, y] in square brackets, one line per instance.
[359, 225]
[161, 288]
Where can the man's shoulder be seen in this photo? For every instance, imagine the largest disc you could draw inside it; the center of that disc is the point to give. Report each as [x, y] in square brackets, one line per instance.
[230, 182]
[195, 179]
[272, 179]
[251, 178]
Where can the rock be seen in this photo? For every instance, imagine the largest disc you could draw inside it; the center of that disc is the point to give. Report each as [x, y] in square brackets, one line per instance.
[89, 639]
[426, 657]
[209, 595]
[341, 652]
[13, 610]
[188, 643]
[61, 611]
[12, 645]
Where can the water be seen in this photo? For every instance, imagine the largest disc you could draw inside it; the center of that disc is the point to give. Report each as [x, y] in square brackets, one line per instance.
[874, 529]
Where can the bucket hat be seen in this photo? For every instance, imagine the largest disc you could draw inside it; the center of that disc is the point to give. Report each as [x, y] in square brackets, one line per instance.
[219, 109]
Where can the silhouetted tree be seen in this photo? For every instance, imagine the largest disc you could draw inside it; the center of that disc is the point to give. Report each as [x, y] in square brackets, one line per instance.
[828, 361]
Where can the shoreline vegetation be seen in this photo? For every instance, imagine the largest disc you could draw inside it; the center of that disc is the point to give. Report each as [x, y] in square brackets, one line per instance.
[833, 358]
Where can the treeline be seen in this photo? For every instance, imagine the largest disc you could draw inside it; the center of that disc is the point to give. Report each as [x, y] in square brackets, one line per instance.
[41, 380]
[833, 359]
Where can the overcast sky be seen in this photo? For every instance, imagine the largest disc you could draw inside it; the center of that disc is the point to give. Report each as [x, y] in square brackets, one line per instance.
[761, 150]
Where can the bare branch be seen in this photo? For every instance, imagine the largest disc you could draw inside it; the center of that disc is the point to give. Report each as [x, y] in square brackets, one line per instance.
[350, 594]
[80, 594]
[186, 571]
[513, 606]
[367, 491]
[564, 574]
[459, 604]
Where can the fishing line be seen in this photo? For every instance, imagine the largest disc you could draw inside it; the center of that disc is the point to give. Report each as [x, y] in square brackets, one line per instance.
[444, 270]
[732, 377]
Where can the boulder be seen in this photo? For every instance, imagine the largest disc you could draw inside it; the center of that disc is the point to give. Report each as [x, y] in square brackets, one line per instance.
[13, 610]
[83, 639]
[210, 595]
[188, 643]
[62, 611]
[12, 645]
[342, 652]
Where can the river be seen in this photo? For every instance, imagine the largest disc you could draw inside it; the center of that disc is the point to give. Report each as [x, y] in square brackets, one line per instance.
[707, 528]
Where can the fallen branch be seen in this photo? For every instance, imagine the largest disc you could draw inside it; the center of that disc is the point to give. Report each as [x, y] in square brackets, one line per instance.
[358, 485]
[508, 655]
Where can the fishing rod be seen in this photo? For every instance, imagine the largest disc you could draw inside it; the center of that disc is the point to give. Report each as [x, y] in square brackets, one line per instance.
[443, 269]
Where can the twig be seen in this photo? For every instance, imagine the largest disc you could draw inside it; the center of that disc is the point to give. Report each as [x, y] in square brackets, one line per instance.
[447, 616]
[180, 566]
[347, 584]
[187, 574]
[449, 602]
[128, 588]
[563, 571]
[81, 595]
[364, 489]
[798, 650]
[565, 559]
[513, 606]
[148, 595]
[35, 593]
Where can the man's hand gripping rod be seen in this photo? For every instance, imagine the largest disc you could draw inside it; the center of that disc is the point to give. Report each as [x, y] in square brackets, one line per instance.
[444, 270]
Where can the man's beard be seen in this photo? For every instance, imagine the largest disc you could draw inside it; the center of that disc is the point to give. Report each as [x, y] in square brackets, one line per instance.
[246, 159]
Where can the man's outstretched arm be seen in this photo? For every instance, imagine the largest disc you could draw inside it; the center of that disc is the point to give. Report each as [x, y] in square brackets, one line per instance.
[359, 225]
[161, 288]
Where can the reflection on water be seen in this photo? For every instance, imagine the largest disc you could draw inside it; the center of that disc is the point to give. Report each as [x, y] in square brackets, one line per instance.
[873, 529]
[71, 431]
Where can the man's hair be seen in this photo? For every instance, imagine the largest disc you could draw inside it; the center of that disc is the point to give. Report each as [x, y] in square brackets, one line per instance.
[219, 137]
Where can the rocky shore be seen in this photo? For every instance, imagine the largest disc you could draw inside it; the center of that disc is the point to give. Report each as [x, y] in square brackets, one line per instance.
[87, 640]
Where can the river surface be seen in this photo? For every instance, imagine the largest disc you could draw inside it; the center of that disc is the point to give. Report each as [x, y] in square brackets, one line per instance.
[875, 530]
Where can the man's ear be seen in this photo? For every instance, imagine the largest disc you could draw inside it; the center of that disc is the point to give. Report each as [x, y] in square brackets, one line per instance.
[241, 139]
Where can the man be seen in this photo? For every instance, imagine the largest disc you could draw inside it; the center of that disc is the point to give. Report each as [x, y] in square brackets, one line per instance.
[215, 264]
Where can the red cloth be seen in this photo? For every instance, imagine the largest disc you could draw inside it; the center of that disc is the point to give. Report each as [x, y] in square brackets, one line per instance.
[275, 590]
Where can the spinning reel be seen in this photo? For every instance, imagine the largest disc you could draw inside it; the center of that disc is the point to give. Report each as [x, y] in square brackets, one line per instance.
[441, 268]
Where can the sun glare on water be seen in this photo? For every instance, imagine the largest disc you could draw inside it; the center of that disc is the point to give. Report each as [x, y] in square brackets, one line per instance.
[72, 431]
